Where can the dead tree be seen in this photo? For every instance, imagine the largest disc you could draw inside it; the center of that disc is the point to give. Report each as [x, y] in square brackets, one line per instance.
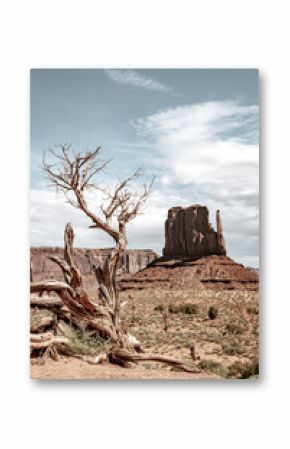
[75, 174]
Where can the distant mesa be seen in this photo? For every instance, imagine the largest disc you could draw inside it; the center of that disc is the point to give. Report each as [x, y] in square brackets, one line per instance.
[42, 267]
[194, 257]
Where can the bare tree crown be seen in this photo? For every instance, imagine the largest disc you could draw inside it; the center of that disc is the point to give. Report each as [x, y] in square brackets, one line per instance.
[75, 173]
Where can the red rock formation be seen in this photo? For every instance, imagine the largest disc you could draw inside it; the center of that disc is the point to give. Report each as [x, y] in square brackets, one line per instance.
[43, 268]
[189, 233]
[221, 244]
[194, 257]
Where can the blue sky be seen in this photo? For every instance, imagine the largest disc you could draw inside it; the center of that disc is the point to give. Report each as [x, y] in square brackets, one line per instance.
[196, 130]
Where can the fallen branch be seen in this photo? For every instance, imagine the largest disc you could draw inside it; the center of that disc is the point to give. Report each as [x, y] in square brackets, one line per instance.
[45, 302]
[50, 285]
[122, 355]
[41, 341]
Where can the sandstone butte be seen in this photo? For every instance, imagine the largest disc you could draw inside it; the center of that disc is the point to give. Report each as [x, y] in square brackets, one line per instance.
[194, 256]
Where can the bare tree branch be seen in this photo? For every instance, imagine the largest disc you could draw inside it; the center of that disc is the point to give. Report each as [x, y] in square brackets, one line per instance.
[74, 174]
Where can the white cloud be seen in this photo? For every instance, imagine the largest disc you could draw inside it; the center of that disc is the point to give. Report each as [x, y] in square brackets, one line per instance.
[204, 154]
[133, 78]
[49, 213]
[199, 144]
[199, 159]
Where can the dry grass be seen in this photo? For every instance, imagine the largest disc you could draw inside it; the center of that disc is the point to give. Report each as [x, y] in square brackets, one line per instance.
[82, 342]
[226, 346]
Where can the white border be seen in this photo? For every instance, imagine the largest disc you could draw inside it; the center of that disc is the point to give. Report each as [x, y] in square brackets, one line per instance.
[144, 34]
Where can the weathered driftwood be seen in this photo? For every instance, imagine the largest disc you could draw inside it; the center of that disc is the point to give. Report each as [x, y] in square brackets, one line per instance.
[41, 341]
[122, 355]
[45, 302]
[40, 321]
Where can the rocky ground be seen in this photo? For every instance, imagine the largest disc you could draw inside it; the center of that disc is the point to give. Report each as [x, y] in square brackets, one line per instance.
[176, 323]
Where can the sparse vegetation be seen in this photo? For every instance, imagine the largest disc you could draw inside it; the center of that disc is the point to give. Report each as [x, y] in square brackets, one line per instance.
[159, 308]
[82, 342]
[236, 327]
[232, 348]
[188, 309]
[214, 367]
[244, 370]
[223, 341]
[252, 310]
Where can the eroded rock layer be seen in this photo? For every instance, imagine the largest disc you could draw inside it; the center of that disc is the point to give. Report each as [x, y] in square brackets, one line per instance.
[211, 272]
[194, 257]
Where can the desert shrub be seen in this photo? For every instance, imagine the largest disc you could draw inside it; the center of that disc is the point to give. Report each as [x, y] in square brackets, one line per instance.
[82, 342]
[232, 348]
[214, 367]
[173, 308]
[253, 310]
[212, 313]
[148, 366]
[244, 370]
[159, 308]
[188, 309]
[135, 319]
[236, 328]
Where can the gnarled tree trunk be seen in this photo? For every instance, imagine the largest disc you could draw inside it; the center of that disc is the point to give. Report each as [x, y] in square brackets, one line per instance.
[104, 316]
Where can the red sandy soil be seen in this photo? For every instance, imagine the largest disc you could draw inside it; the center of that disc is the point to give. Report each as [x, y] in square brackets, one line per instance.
[211, 272]
[71, 368]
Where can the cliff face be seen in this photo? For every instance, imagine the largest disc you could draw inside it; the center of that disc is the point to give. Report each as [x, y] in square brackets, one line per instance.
[189, 233]
[43, 268]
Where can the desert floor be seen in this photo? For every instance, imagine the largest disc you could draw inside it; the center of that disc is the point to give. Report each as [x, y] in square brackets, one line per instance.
[70, 368]
[171, 323]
